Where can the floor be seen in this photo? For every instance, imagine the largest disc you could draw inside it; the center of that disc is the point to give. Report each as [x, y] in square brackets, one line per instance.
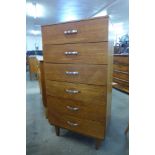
[41, 138]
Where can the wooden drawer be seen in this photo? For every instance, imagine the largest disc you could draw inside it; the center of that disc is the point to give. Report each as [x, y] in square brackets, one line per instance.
[121, 68]
[121, 76]
[120, 81]
[89, 74]
[122, 86]
[79, 92]
[81, 110]
[93, 30]
[121, 60]
[88, 53]
[86, 127]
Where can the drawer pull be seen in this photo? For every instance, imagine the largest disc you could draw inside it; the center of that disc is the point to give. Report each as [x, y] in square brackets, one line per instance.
[71, 73]
[70, 32]
[72, 124]
[71, 53]
[71, 91]
[72, 108]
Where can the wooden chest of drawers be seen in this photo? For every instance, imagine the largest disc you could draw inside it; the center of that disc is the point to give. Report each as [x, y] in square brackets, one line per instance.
[121, 72]
[78, 75]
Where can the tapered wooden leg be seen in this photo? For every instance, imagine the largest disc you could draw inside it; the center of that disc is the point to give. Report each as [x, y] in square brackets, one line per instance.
[46, 112]
[97, 143]
[127, 129]
[57, 130]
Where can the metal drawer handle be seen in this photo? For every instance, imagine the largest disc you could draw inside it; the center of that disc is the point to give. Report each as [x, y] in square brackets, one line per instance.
[71, 91]
[72, 108]
[74, 31]
[71, 53]
[71, 73]
[72, 124]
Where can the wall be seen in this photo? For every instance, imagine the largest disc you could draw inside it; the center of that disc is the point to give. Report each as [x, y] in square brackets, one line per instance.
[31, 41]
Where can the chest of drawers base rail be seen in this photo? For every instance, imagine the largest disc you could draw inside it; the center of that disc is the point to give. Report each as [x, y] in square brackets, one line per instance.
[78, 76]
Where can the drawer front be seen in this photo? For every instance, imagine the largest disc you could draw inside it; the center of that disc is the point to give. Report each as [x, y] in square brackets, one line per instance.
[79, 92]
[87, 53]
[121, 68]
[121, 76]
[86, 127]
[121, 60]
[120, 81]
[93, 30]
[89, 74]
[81, 110]
[122, 86]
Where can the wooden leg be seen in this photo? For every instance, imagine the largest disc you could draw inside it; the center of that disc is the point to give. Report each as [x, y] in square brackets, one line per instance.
[127, 129]
[46, 112]
[57, 130]
[97, 143]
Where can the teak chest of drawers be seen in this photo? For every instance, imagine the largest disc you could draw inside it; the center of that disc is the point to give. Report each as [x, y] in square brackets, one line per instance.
[78, 75]
[121, 72]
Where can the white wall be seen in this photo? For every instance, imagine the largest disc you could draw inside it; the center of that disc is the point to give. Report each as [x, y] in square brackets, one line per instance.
[31, 41]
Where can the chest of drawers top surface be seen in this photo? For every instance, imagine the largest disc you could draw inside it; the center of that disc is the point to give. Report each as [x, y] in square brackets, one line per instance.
[92, 30]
